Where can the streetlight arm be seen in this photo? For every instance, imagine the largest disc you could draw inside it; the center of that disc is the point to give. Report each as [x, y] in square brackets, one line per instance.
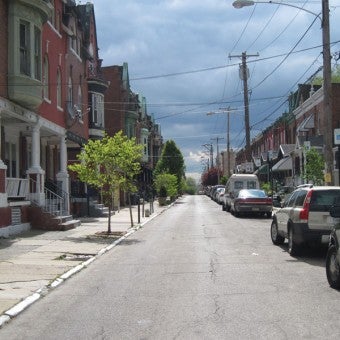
[244, 3]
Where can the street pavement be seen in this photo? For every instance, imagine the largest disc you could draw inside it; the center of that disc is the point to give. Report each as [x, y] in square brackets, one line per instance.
[37, 261]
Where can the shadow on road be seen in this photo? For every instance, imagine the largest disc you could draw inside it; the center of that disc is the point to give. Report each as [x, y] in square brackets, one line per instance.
[314, 256]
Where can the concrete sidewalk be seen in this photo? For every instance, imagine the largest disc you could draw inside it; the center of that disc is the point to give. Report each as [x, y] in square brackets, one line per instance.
[37, 261]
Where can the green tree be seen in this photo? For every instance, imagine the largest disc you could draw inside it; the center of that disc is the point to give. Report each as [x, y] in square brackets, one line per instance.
[171, 162]
[313, 171]
[190, 186]
[166, 185]
[109, 165]
[335, 77]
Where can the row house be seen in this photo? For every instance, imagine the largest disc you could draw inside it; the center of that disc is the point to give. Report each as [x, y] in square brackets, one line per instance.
[127, 111]
[44, 107]
[279, 151]
[51, 103]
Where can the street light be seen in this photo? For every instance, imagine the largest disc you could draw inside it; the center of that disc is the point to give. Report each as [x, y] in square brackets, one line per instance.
[245, 3]
[327, 73]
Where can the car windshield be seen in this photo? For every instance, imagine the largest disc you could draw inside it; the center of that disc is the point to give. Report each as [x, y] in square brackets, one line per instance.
[252, 193]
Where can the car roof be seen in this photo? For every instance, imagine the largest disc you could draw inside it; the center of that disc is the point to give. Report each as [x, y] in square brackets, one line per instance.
[318, 187]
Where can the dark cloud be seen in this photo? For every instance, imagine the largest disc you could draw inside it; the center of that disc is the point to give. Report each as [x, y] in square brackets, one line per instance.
[160, 38]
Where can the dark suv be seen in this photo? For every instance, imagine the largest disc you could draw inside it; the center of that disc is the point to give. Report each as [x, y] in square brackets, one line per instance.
[333, 253]
[304, 217]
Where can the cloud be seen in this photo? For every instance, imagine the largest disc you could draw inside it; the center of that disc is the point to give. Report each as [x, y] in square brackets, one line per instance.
[171, 36]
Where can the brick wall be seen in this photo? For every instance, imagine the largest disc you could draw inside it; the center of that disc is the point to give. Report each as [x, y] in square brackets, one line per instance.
[114, 100]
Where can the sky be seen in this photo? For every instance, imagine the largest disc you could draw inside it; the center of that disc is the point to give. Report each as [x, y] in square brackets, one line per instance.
[183, 56]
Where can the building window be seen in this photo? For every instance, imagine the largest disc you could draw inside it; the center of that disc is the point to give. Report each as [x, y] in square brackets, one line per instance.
[37, 54]
[52, 17]
[80, 104]
[46, 79]
[145, 146]
[73, 37]
[58, 88]
[25, 48]
[70, 91]
[97, 109]
[11, 159]
[57, 21]
[30, 49]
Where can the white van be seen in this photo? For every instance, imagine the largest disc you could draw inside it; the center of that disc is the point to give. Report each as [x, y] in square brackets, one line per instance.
[235, 183]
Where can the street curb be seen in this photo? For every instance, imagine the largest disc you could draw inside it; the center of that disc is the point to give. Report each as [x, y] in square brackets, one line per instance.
[25, 303]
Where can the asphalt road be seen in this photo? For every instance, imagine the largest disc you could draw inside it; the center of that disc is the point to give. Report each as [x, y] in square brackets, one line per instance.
[194, 272]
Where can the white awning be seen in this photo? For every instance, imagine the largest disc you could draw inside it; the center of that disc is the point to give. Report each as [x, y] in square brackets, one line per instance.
[283, 165]
[306, 124]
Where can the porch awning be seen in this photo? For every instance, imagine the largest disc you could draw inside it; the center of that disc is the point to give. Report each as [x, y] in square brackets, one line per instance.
[263, 169]
[306, 124]
[283, 165]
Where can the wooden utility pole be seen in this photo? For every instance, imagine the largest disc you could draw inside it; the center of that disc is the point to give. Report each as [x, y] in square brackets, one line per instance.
[228, 110]
[217, 158]
[244, 74]
[327, 94]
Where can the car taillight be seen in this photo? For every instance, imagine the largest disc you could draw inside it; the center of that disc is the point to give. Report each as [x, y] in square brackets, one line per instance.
[305, 209]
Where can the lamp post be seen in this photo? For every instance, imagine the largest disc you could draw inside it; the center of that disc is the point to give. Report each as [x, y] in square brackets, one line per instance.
[327, 74]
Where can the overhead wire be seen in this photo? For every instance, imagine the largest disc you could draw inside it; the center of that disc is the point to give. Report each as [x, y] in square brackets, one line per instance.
[286, 27]
[286, 57]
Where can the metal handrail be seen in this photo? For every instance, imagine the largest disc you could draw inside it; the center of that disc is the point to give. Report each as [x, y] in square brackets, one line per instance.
[53, 203]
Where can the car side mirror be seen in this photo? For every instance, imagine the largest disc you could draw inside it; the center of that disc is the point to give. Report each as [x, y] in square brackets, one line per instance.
[335, 211]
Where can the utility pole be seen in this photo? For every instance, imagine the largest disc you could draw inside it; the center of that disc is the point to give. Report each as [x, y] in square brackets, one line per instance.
[228, 110]
[217, 158]
[209, 147]
[244, 75]
[327, 93]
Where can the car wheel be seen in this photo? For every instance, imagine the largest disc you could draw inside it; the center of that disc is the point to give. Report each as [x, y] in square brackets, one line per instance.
[293, 247]
[269, 214]
[223, 207]
[227, 208]
[333, 268]
[274, 234]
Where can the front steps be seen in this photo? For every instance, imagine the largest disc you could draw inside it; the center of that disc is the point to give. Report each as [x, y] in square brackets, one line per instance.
[45, 221]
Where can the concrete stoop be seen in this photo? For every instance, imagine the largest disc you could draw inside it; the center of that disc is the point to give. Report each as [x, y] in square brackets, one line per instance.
[67, 223]
[40, 219]
[98, 210]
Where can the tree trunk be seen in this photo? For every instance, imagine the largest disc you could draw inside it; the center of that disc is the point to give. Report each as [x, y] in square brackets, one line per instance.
[109, 221]
[111, 204]
[130, 207]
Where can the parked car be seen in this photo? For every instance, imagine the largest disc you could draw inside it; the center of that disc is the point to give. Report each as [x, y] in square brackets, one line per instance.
[213, 191]
[333, 253]
[251, 201]
[235, 183]
[280, 196]
[219, 195]
[304, 217]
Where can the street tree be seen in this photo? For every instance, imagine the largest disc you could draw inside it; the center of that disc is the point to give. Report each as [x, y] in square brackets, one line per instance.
[314, 167]
[190, 186]
[110, 164]
[166, 185]
[171, 162]
[210, 177]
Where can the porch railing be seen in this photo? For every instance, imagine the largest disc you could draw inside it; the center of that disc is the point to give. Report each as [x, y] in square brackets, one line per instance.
[54, 198]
